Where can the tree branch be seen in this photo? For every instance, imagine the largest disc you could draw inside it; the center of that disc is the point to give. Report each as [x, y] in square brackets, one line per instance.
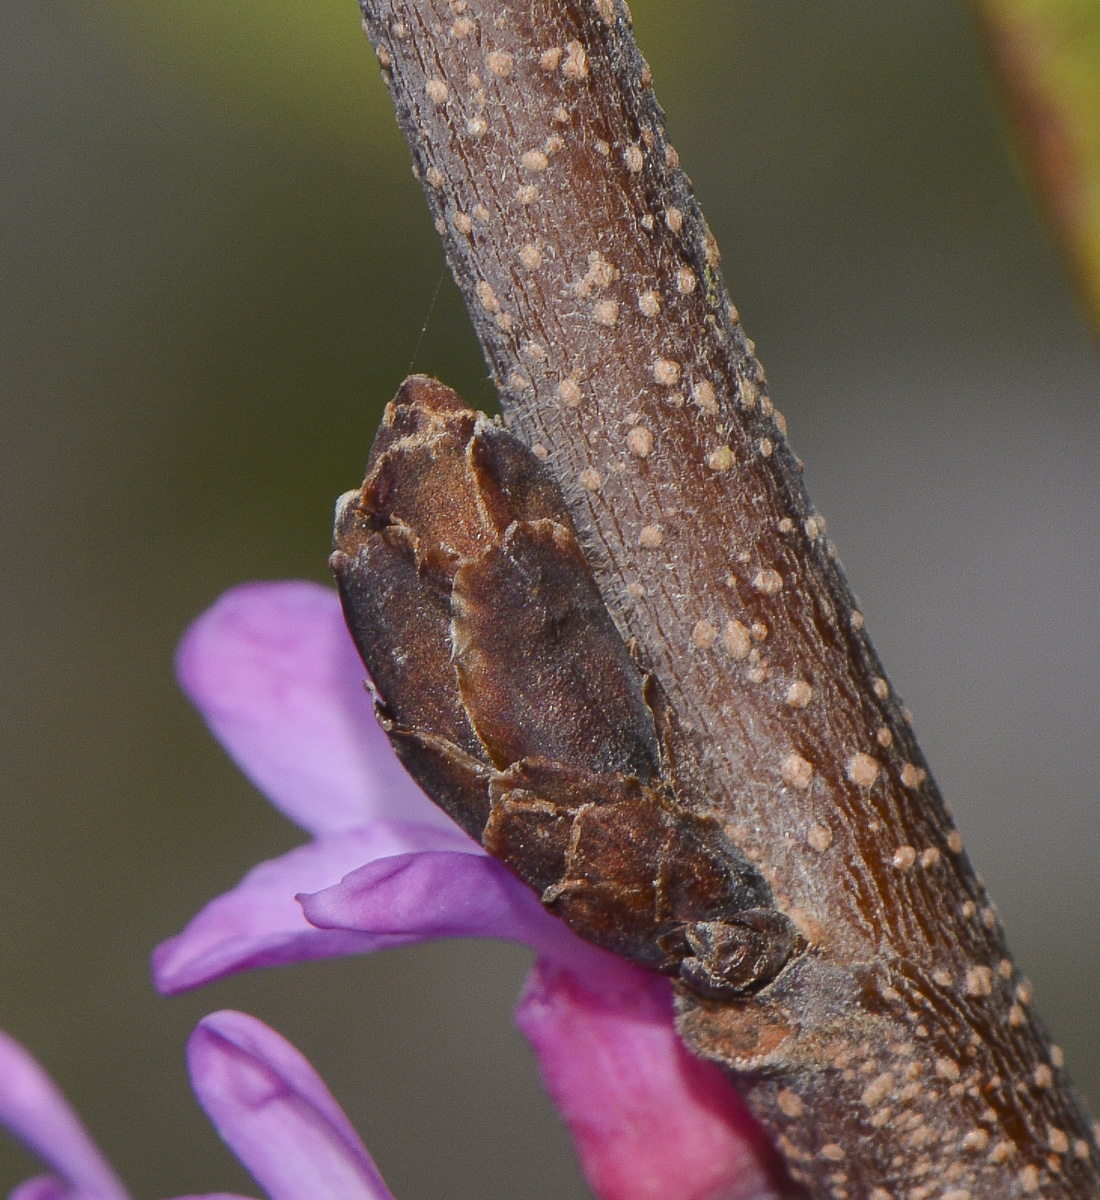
[899, 1056]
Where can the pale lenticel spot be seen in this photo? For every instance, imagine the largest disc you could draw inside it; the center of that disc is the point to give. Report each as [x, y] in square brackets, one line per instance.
[820, 838]
[796, 771]
[666, 371]
[768, 581]
[640, 441]
[575, 66]
[501, 63]
[736, 639]
[704, 635]
[862, 769]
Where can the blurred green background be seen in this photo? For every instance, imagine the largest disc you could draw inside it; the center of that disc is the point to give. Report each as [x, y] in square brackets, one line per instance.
[216, 268]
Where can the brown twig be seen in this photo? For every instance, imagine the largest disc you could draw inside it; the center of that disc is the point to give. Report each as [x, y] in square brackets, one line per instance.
[899, 1056]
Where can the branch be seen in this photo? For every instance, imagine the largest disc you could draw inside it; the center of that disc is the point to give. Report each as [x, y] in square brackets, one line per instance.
[898, 1056]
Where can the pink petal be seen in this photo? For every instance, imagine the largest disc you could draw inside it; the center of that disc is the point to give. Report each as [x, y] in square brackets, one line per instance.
[650, 1121]
[441, 894]
[260, 923]
[32, 1108]
[273, 671]
[49, 1187]
[276, 1114]
[42, 1187]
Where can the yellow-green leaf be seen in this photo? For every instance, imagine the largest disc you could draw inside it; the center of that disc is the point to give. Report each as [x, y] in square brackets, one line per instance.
[1046, 54]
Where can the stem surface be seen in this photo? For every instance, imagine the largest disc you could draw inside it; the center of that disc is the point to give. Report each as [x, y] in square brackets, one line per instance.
[900, 1056]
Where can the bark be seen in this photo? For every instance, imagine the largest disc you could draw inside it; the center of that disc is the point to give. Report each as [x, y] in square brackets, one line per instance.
[898, 1056]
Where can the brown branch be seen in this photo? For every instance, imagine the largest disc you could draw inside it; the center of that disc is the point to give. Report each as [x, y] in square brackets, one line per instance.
[898, 1057]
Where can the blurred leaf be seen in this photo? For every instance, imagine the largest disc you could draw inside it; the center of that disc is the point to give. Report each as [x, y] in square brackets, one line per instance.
[302, 68]
[1047, 57]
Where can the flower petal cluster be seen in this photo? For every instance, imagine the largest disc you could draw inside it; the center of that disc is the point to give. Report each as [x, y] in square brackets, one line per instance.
[267, 1102]
[274, 673]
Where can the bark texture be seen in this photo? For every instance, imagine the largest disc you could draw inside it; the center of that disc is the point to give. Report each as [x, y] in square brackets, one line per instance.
[899, 1056]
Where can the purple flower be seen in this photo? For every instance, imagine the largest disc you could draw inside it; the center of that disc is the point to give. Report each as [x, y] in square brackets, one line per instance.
[274, 672]
[267, 1102]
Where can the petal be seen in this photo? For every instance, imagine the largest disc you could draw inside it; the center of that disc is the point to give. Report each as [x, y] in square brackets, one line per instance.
[273, 671]
[32, 1108]
[441, 894]
[650, 1121]
[276, 1114]
[43, 1187]
[260, 923]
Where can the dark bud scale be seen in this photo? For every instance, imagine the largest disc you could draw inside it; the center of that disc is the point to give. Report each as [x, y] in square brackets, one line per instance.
[513, 700]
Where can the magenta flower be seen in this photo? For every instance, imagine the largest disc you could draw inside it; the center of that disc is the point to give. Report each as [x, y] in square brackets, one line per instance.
[267, 1102]
[274, 672]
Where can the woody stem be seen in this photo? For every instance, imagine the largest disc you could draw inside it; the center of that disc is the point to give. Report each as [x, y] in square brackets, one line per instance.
[903, 1038]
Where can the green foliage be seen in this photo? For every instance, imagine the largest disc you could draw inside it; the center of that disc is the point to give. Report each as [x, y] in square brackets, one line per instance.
[1047, 55]
[289, 67]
